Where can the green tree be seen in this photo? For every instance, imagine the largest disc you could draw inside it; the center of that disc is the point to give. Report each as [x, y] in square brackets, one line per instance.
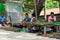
[49, 4]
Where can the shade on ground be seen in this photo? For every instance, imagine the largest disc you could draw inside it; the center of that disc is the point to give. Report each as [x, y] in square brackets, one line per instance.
[8, 35]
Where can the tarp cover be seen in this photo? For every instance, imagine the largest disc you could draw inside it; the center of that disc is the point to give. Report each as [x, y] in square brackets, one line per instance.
[2, 7]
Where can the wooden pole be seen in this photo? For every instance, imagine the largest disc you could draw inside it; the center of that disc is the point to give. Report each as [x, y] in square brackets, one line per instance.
[35, 8]
[45, 11]
[59, 6]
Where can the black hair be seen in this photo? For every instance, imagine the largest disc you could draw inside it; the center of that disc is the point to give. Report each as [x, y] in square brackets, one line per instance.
[33, 15]
[26, 13]
[52, 13]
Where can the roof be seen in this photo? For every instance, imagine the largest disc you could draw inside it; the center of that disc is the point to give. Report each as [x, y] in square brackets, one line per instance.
[55, 10]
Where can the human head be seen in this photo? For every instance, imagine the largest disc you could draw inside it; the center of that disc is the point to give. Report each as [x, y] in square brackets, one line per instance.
[26, 15]
[52, 14]
[32, 15]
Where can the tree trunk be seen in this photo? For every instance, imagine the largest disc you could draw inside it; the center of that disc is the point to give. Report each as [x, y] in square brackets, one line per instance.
[39, 7]
[3, 1]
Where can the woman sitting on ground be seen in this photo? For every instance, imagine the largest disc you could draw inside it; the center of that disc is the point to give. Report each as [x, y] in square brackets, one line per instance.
[25, 20]
[52, 18]
[33, 28]
[3, 20]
